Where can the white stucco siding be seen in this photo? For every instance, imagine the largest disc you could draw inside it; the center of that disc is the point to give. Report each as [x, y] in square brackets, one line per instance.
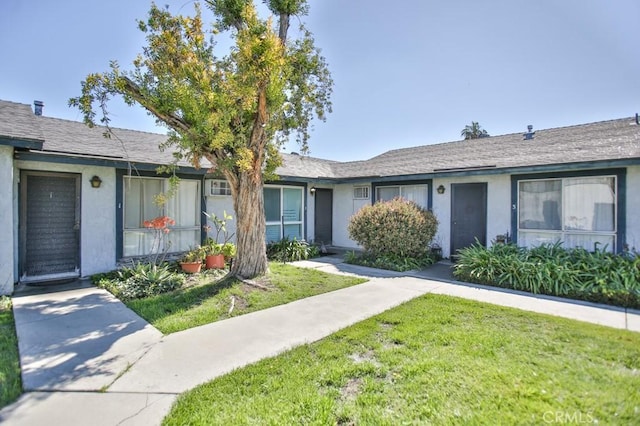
[633, 207]
[498, 207]
[7, 258]
[344, 206]
[97, 214]
[218, 205]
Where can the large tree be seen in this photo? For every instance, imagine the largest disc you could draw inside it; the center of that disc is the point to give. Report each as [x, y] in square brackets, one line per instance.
[234, 110]
[473, 131]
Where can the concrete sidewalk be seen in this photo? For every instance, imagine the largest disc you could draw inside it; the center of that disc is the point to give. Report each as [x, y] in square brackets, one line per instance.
[164, 367]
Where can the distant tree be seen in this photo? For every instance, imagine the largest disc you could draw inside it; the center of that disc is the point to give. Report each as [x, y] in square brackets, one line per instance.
[474, 131]
[234, 109]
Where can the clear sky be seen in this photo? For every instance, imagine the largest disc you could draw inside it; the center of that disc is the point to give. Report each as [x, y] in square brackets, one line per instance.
[409, 72]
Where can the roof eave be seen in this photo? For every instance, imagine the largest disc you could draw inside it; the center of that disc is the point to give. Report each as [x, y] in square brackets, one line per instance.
[22, 143]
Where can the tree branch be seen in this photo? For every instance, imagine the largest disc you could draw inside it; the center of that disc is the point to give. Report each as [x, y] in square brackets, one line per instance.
[284, 27]
[171, 119]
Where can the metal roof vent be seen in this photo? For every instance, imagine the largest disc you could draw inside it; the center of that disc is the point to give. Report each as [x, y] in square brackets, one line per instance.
[37, 107]
[530, 133]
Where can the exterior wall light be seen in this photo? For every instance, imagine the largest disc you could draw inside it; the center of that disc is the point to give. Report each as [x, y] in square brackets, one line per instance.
[312, 190]
[440, 189]
[95, 181]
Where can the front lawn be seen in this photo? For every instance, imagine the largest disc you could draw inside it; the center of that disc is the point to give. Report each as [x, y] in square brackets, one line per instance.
[10, 382]
[435, 360]
[203, 304]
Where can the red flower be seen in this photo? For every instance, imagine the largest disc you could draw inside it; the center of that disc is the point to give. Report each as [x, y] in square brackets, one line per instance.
[160, 223]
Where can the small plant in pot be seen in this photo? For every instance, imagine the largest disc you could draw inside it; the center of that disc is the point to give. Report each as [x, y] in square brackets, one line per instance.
[219, 248]
[191, 261]
[214, 258]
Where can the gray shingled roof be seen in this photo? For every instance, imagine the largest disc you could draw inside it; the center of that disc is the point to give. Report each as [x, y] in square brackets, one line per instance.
[606, 140]
[17, 121]
[74, 138]
[295, 165]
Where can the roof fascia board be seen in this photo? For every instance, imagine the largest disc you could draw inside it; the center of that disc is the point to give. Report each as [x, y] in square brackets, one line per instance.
[101, 162]
[22, 143]
[587, 165]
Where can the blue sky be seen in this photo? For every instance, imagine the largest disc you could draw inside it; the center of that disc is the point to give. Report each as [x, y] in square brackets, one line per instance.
[406, 73]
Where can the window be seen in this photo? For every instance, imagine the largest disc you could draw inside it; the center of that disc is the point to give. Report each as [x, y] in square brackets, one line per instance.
[419, 194]
[361, 193]
[283, 212]
[219, 187]
[139, 205]
[581, 212]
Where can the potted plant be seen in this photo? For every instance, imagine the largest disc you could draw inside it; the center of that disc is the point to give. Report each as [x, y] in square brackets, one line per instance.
[217, 251]
[191, 261]
[228, 250]
[214, 257]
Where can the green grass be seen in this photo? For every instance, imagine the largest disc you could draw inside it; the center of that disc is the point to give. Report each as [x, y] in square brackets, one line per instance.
[203, 304]
[435, 360]
[10, 383]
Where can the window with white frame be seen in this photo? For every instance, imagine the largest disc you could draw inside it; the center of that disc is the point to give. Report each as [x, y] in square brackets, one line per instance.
[219, 187]
[360, 192]
[140, 206]
[419, 194]
[580, 212]
[283, 209]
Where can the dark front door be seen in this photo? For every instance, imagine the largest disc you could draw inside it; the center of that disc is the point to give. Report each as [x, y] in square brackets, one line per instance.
[49, 225]
[323, 216]
[468, 215]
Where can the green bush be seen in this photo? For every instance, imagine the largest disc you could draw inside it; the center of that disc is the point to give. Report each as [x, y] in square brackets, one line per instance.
[287, 250]
[550, 269]
[140, 280]
[394, 228]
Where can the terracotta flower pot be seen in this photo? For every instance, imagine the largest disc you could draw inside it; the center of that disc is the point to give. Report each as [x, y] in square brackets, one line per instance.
[191, 267]
[214, 261]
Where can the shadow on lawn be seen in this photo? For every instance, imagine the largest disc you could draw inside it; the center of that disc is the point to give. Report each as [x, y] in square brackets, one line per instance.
[157, 307]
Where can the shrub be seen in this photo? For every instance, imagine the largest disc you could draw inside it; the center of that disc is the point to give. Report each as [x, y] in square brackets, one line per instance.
[140, 280]
[287, 250]
[550, 269]
[394, 228]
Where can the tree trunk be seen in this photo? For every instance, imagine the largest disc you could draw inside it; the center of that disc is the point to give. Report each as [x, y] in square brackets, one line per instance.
[248, 202]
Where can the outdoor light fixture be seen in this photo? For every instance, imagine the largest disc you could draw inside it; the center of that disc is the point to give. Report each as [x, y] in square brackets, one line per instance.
[312, 190]
[95, 181]
[440, 189]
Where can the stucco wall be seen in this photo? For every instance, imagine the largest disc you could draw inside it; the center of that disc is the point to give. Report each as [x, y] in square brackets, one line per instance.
[498, 207]
[6, 221]
[218, 205]
[344, 206]
[97, 213]
[633, 207]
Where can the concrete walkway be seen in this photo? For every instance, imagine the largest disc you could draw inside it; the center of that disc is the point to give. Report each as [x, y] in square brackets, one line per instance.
[75, 343]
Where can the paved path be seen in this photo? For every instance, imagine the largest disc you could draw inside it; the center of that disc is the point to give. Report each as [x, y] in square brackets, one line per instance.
[77, 342]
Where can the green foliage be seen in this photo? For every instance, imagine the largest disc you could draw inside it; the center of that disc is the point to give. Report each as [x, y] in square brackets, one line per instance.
[287, 250]
[435, 360]
[392, 262]
[198, 253]
[140, 280]
[227, 107]
[397, 228]
[10, 382]
[474, 131]
[550, 269]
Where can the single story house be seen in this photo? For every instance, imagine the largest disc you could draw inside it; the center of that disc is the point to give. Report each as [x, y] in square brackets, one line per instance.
[72, 203]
